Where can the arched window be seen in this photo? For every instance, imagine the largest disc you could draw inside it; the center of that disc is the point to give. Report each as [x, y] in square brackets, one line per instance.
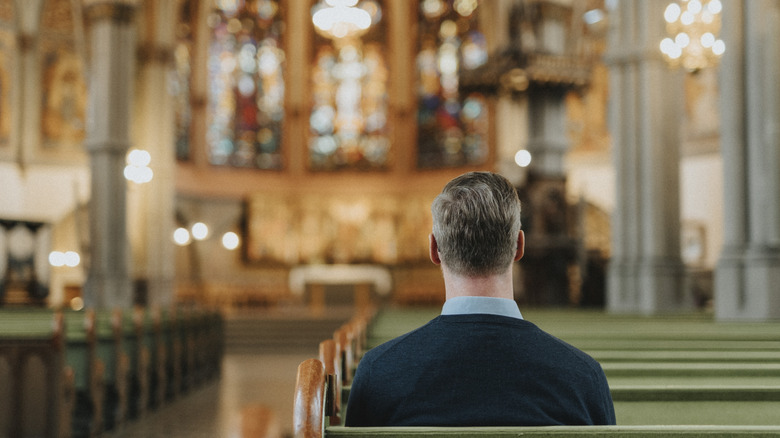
[246, 84]
[6, 51]
[452, 128]
[64, 91]
[348, 122]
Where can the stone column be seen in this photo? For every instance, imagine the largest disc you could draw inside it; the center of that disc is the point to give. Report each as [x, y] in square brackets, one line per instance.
[110, 77]
[748, 271]
[547, 141]
[152, 204]
[646, 270]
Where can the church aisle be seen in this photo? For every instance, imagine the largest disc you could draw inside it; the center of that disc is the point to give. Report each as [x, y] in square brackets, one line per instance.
[213, 410]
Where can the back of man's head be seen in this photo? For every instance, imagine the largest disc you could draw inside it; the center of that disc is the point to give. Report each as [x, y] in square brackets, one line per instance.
[476, 222]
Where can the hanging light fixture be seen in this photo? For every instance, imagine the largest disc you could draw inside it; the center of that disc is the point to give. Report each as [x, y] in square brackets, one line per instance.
[693, 27]
[337, 19]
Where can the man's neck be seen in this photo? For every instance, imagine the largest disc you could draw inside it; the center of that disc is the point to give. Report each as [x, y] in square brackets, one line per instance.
[498, 286]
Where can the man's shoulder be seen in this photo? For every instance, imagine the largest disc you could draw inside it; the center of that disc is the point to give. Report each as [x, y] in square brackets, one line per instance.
[417, 338]
[558, 348]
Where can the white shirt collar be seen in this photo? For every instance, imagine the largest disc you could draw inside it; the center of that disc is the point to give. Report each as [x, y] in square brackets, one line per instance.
[487, 305]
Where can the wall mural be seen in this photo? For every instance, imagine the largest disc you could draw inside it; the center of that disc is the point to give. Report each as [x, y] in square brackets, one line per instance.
[292, 229]
[6, 46]
[64, 91]
[64, 99]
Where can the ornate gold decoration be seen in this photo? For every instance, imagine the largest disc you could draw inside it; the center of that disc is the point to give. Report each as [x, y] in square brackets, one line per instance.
[541, 53]
[120, 13]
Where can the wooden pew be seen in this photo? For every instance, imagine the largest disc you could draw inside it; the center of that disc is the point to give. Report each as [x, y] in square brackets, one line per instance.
[154, 343]
[592, 330]
[170, 330]
[81, 356]
[691, 370]
[134, 336]
[688, 404]
[330, 356]
[36, 387]
[350, 340]
[310, 420]
[309, 403]
[555, 432]
[111, 351]
[677, 391]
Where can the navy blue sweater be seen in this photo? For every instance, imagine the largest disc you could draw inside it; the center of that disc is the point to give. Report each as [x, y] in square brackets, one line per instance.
[478, 370]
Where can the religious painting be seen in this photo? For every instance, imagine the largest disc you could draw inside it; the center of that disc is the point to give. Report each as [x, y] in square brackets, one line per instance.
[6, 52]
[64, 89]
[315, 229]
[246, 84]
[452, 128]
[64, 100]
[586, 112]
[348, 125]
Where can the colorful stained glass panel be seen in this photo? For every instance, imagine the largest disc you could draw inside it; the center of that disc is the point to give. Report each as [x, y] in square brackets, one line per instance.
[180, 86]
[452, 128]
[348, 122]
[246, 94]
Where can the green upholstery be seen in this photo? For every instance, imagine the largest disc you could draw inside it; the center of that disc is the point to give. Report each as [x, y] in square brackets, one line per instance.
[697, 412]
[556, 432]
[668, 370]
[690, 370]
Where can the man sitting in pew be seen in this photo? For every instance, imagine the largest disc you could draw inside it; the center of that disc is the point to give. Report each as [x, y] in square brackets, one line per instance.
[479, 363]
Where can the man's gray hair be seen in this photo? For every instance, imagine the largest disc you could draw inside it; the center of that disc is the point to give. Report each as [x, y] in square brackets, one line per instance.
[476, 222]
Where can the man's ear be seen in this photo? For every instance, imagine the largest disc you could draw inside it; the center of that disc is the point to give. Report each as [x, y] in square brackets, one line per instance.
[433, 250]
[520, 246]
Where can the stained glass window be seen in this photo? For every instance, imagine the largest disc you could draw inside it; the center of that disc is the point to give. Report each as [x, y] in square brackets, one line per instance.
[180, 86]
[246, 84]
[452, 128]
[348, 122]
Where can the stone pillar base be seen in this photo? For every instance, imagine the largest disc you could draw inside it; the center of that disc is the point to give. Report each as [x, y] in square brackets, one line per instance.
[746, 288]
[661, 288]
[647, 288]
[762, 282]
[621, 287]
[729, 294]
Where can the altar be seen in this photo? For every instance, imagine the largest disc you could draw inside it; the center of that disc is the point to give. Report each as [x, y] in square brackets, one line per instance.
[361, 277]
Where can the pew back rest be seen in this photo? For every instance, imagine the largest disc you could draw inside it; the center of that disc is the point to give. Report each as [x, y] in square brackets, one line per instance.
[555, 432]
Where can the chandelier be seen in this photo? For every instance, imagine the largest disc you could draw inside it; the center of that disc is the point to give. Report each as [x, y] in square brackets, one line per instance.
[693, 26]
[337, 19]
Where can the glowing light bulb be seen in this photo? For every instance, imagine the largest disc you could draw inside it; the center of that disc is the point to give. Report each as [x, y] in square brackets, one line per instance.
[523, 158]
[181, 236]
[200, 231]
[230, 240]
